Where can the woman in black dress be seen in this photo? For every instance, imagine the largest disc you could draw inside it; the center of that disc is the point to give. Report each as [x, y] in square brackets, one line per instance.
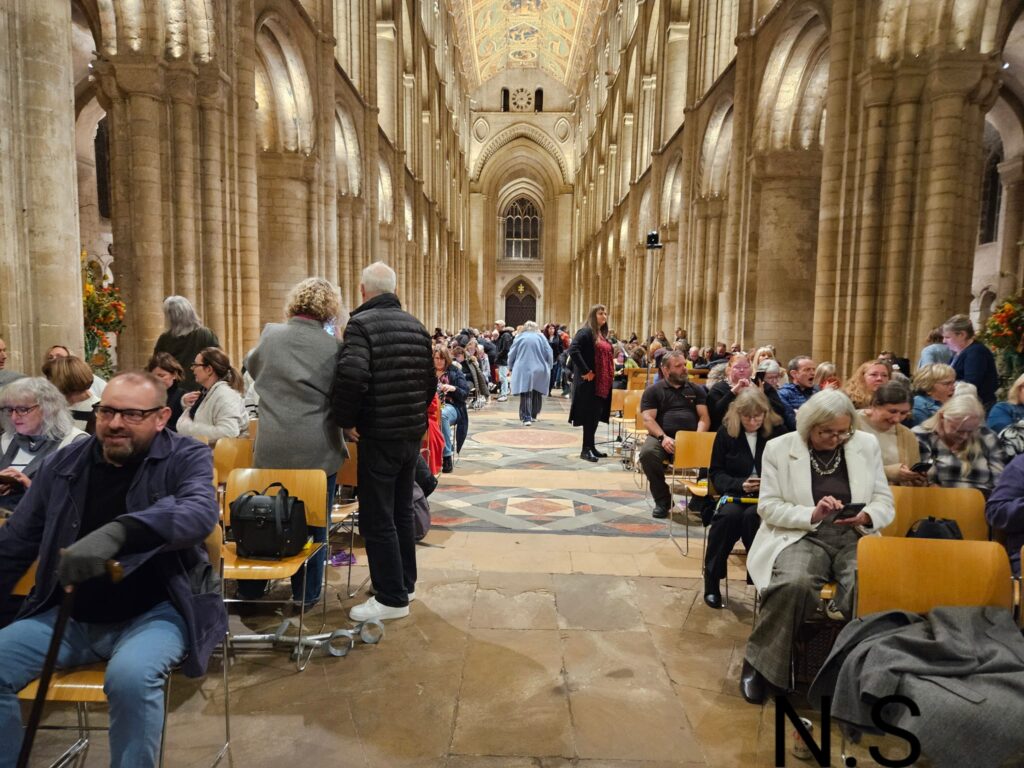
[592, 372]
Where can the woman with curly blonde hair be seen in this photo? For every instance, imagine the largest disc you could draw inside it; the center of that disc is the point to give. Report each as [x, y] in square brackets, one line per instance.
[293, 370]
[869, 376]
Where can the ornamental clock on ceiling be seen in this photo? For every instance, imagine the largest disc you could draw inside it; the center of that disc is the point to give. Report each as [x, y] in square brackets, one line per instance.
[522, 100]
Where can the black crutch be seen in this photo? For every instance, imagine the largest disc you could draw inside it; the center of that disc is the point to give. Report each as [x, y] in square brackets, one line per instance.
[67, 599]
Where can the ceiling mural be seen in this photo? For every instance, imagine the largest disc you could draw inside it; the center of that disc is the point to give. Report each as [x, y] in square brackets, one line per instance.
[552, 35]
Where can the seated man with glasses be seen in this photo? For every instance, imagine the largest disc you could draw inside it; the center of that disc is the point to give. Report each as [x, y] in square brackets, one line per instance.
[822, 488]
[140, 494]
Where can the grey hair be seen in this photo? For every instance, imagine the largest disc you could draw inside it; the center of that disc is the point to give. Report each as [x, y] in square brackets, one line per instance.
[769, 365]
[822, 407]
[378, 278]
[958, 324]
[57, 421]
[181, 316]
[716, 373]
[668, 357]
[531, 327]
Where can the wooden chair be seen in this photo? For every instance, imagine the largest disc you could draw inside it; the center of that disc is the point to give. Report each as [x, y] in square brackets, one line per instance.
[965, 505]
[920, 574]
[693, 453]
[310, 485]
[83, 685]
[228, 454]
[629, 408]
[345, 511]
[254, 428]
[638, 378]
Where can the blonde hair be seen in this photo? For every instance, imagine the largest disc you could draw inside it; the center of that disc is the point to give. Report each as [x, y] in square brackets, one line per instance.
[961, 407]
[315, 297]
[928, 376]
[762, 353]
[1013, 396]
[825, 370]
[857, 390]
[750, 402]
[68, 374]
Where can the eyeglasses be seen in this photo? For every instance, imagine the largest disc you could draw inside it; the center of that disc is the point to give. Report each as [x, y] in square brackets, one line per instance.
[198, 365]
[21, 410]
[833, 434]
[130, 415]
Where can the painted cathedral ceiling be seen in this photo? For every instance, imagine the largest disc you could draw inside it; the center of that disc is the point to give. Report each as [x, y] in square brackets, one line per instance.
[552, 35]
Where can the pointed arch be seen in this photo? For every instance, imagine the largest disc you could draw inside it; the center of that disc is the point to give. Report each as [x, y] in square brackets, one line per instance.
[514, 132]
[716, 151]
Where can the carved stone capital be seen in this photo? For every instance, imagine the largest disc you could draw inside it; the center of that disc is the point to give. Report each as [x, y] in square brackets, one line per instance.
[876, 85]
[181, 81]
[142, 77]
[211, 87]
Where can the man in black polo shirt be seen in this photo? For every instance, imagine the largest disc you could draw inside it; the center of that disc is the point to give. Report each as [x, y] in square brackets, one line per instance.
[671, 405]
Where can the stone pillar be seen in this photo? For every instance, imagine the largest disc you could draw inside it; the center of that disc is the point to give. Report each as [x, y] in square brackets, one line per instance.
[1011, 175]
[699, 274]
[712, 259]
[345, 249]
[248, 226]
[40, 276]
[181, 86]
[211, 149]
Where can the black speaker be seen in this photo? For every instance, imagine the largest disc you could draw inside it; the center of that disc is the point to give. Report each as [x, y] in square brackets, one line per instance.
[652, 240]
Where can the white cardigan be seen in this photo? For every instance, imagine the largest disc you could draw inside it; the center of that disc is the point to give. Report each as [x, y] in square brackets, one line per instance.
[786, 504]
[221, 414]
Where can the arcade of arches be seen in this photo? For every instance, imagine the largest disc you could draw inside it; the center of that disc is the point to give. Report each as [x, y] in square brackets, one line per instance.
[828, 175]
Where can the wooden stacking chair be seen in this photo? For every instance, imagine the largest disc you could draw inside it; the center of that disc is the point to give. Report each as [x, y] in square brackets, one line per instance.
[310, 485]
[693, 453]
[230, 453]
[345, 511]
[920, 574]
[83, 686]
[965, 505]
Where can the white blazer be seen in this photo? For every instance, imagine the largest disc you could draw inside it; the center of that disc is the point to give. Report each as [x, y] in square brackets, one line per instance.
[786, 504]
[221, 414]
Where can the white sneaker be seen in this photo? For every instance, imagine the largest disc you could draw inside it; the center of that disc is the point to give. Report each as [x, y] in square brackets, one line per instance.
[373, 591]
[371, 609]
[527, 423]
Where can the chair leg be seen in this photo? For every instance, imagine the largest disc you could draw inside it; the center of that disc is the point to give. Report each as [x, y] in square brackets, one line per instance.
[225, 661]
[167, 706]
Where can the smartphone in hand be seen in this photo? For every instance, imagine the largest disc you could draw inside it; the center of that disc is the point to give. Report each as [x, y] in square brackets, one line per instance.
[850, 510]
[922, 467]
[8, 480]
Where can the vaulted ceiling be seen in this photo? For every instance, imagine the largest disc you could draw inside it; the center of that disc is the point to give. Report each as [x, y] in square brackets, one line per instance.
[552, 35]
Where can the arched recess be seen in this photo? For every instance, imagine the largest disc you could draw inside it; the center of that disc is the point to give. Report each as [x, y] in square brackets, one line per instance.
[385, 193]
[522, 130]
[716, 150]
[283, 95]
[904, 29]
[785, 178]
[347, 155]
[520, 299]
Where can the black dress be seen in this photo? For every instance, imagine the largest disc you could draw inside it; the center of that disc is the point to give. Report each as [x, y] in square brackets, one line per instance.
[586, 408]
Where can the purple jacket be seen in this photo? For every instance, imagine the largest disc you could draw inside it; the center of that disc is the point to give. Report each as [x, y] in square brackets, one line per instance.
[1004, 509]
[172, 494]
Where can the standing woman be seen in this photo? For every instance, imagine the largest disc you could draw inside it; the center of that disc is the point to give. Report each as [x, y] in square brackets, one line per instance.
[184, 338]
[529, 360]
[293, 368]
[593, 370]
[217, 410]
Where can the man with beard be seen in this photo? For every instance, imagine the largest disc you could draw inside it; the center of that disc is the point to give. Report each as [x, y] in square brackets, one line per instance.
[671, 405]
[140, 494]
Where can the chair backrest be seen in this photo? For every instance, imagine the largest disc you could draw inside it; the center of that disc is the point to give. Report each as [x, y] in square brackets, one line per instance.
[693, 449]
[232, 453]
[637, 378]
[631, 404]
[965, 505]
[254, 428]
[348, 471]
[618, 398]
[920, 574]
[310, 485]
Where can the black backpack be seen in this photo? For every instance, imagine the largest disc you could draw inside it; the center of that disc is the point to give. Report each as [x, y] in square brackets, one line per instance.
[269, 527]
[934, 528]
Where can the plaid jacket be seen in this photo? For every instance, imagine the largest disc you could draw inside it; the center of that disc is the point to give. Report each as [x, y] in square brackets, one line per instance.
[985, 468]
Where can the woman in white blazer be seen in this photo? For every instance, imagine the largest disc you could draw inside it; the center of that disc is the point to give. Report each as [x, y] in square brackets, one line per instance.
[217, 410]
[807, 478]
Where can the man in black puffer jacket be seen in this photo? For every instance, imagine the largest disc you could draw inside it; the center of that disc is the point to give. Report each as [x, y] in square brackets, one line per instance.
[383, 384]
[503, 345]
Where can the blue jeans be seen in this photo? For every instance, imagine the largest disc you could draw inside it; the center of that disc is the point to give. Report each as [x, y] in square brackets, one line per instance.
[139, 653]
[506, 386]
[449, 415]
[253, 589]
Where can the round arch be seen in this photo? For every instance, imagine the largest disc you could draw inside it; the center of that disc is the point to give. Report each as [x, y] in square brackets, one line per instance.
[283, 95]
[716, 150]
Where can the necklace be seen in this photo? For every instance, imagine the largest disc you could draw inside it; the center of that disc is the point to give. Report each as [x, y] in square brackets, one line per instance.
[829, 466]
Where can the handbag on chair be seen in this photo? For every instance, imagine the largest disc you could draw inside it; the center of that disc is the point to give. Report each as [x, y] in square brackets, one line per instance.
[269, 527]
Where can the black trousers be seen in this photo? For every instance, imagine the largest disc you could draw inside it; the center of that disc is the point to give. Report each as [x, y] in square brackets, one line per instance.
[731, 523]
[386, 472]
[529, 405]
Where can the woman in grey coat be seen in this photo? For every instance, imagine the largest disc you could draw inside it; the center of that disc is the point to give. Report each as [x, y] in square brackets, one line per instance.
[530, 360]
[293, 368]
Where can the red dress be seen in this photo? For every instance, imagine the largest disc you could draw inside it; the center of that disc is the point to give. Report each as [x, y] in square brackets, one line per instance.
[434, 439]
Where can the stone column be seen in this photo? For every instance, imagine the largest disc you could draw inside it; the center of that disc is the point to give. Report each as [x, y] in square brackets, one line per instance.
[214, 253]
[181, 86]
[699, 274]
[713, 236]
[345, 249]
[40, 277]
[1011, 174]
[248, 226]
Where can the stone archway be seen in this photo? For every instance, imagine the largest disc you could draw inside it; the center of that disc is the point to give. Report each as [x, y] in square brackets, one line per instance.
[520, 303]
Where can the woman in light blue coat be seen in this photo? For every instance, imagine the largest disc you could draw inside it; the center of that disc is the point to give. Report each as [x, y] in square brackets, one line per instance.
[530, 362]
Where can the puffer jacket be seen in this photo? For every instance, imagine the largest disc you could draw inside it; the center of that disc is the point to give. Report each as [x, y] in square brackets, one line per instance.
[503, 345]
[385, 374]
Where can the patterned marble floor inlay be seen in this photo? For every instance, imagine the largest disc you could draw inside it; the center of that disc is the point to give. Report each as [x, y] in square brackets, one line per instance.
[514, 479]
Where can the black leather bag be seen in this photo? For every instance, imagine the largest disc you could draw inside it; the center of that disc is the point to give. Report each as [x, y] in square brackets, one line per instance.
[269, 527]
[935, 528]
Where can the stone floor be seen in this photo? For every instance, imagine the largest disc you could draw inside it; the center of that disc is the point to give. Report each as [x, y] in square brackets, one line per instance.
[523, 650]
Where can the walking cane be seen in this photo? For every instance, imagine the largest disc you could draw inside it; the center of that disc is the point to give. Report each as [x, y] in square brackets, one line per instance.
[116, 573]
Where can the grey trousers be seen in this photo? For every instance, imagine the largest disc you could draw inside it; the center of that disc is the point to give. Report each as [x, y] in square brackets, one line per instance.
[793, 593]
[529, 405]
[652, 460]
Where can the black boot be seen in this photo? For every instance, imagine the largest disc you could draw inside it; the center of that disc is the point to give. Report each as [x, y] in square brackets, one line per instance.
[712, 593]
[753, 686]
[446, 464]
[598, 453]
[587, 455]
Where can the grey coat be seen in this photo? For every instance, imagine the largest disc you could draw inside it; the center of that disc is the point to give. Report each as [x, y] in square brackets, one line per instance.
[293, 367]
[962, 666]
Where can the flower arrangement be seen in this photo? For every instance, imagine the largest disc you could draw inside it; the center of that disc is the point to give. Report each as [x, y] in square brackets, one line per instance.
[102, 314]
[1004, 335]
